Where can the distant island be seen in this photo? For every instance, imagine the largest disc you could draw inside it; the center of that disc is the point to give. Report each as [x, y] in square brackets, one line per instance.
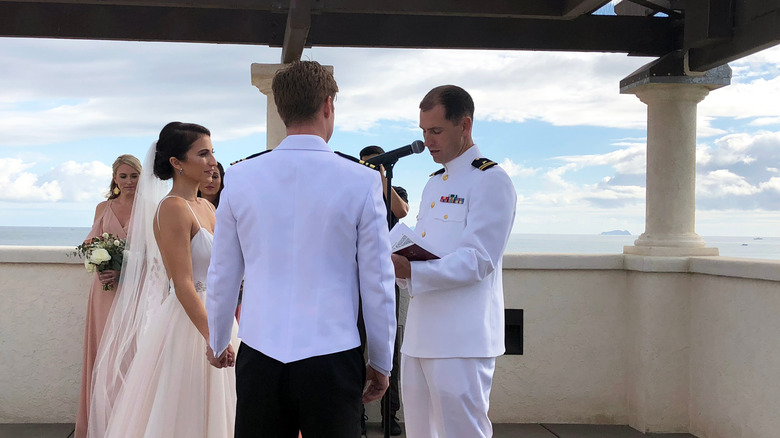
[616, 233]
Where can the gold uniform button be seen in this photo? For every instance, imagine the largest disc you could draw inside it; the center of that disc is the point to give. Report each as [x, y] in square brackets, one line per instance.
[445, 216]
[423, 234]
[433, 204]
[445, 177]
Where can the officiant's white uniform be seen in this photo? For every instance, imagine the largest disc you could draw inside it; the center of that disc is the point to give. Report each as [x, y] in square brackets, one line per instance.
[455, 323]
[305, 228]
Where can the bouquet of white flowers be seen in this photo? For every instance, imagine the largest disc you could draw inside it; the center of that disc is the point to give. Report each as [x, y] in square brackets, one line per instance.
[102, 253]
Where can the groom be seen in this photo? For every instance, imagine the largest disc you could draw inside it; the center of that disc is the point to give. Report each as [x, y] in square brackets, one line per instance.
[307, 230]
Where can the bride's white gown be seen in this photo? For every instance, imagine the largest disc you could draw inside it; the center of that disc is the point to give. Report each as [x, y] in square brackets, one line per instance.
[171, 390]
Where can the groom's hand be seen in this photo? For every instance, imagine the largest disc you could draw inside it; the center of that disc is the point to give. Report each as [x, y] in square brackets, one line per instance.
[377, 385]
[228, 358]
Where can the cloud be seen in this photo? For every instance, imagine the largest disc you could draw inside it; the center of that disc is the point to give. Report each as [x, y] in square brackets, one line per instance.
[750, 155]
[61, 90]
[81, 181]
[67, 182]
[737, 171]
[765, 121]
[721, 183]
[753, 79]
[630, 159]
[515, 169]
[734, 171]
[18, 185]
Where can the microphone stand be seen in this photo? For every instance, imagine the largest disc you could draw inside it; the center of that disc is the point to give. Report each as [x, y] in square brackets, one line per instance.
[387, 411]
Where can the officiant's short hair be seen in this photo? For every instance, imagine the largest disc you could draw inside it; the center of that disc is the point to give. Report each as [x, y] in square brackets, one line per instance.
[371, 150]
[300, 90]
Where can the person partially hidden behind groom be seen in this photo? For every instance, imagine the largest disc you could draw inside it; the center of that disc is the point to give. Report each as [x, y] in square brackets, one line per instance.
[308, 244]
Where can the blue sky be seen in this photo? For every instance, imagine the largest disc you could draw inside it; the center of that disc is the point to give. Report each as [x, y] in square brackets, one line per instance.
[572, 143]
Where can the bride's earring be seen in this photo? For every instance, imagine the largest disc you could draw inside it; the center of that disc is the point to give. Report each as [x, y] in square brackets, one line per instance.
[180, 171]
[116, 190]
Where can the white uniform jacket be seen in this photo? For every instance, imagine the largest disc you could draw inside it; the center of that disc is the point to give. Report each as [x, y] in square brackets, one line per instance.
[308, 230]
[457, 305]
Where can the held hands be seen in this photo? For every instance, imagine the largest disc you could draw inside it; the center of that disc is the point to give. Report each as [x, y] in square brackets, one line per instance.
[227, 359]
[377, 385]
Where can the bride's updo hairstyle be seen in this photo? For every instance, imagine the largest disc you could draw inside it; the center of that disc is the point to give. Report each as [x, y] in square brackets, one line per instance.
[175, 140]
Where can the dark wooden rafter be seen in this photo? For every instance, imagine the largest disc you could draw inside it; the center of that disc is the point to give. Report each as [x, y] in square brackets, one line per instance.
[708, 22]
[653, 7]
[575, 8]
[754, 26]
[711, 32]
[141, 23]
[633, 35]
[297, 30]
[548, 9]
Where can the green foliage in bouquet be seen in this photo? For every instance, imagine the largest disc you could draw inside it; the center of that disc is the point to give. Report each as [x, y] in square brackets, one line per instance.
[102, 253]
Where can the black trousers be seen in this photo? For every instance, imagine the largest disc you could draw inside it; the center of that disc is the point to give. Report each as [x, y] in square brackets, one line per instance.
[395, 397]
[320, 396]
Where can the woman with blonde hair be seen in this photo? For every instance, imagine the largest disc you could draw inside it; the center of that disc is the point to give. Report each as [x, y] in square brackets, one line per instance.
[111, 216]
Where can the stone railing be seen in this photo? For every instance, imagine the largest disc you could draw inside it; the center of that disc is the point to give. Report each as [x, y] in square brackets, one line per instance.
[685, 344]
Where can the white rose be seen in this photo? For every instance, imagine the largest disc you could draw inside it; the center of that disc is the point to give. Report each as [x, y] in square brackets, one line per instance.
[105, 235]
[116, 243]
[90, 267]
[99, 256]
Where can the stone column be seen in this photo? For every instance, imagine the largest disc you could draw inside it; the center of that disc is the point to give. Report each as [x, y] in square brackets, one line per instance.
[275, 131]
[262, 76]
[671, 96]
[658, 289]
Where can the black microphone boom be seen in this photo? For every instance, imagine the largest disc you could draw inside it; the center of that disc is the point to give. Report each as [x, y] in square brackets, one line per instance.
[416, 147]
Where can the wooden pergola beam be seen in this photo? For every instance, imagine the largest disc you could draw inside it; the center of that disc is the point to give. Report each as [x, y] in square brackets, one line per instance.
[297, 30]
[647, 36]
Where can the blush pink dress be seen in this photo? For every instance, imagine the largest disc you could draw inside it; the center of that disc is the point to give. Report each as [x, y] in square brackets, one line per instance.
[98, 307]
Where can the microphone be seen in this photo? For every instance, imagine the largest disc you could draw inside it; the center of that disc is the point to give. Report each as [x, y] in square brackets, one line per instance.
[416, 147]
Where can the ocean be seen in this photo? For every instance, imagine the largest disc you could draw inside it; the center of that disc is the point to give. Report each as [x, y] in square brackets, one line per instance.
[746, 247]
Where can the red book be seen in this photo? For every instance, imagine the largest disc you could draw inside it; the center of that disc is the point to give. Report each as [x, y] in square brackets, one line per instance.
[407, 243]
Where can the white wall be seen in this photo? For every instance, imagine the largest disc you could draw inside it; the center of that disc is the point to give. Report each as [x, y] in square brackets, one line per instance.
[660, 343]
[735, 356]
[573, 367]
[43, 297]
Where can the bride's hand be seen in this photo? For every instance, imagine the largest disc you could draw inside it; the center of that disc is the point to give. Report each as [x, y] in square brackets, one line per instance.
[215, 362]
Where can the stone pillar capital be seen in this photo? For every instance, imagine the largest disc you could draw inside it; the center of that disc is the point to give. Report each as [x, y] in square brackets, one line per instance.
[263, 75]
[652, 93]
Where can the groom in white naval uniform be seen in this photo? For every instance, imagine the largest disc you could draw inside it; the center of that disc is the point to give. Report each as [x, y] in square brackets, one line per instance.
[455, 323]
[307, 229]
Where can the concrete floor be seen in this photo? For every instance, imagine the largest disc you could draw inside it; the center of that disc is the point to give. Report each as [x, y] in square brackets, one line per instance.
[557, 431]
[374, 431]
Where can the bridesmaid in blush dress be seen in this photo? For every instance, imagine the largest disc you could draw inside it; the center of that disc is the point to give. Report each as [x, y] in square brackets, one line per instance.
[111, 216]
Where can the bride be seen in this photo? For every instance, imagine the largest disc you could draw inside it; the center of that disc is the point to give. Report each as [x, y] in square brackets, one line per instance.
[152, 378]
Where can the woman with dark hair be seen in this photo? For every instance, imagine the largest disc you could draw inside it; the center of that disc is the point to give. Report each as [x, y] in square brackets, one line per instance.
[111, 216]
[170, 390]
[211, 191]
